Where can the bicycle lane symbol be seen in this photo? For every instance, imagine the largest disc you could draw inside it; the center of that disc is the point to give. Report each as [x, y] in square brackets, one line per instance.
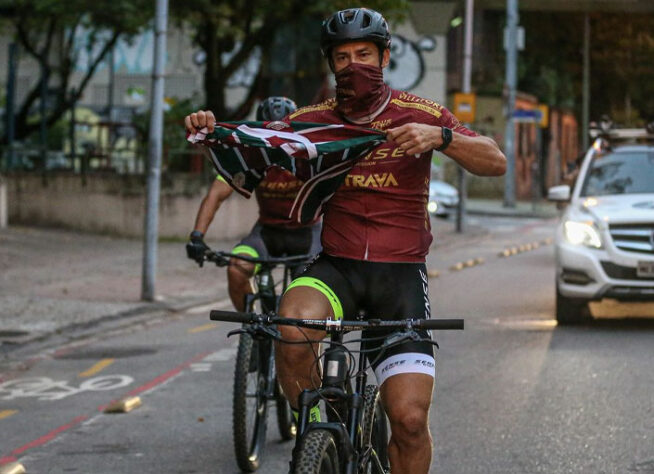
[46, 389]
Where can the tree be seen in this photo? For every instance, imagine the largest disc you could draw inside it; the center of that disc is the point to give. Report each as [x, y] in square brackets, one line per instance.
[47, 32]
[622, 58]
[229, 31]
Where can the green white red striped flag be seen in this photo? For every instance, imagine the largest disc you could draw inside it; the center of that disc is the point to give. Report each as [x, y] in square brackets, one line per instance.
[318, 154]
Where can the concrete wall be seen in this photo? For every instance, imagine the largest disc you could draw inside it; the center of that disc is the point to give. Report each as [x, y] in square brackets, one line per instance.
[115, 204]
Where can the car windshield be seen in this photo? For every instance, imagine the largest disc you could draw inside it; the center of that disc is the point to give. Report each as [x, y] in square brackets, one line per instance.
[628, 172]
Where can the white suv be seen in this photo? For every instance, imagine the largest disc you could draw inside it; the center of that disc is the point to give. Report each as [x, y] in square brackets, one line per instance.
[605, 240]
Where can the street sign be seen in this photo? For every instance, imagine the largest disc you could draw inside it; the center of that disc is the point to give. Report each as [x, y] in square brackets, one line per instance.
[527, 116]
[465, 106]
[545, 115]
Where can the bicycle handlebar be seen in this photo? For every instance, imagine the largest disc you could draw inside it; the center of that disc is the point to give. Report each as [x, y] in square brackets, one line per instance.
[222, 258]
[337, 325]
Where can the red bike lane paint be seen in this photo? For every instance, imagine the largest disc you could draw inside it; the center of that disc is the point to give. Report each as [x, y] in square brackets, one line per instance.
[149, 386]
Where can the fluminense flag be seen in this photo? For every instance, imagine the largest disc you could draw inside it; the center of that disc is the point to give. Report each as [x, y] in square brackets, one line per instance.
[318, 154]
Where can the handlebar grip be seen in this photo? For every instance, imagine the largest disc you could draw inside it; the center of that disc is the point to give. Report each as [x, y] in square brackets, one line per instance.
[230, 316]
[440, 324]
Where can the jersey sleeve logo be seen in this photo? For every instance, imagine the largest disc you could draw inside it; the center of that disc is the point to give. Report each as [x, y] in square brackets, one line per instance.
[329, 104]
[418, 106]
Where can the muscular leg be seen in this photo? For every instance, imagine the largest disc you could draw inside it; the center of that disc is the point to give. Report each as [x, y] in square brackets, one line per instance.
[409, 449]
[239, 273]
[295, 361]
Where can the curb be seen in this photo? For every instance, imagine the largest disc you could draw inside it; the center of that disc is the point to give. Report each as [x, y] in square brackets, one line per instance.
[518, 214]
[122, 318]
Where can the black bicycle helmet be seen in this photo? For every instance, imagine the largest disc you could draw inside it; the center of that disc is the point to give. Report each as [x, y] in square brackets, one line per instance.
[354, 24]
[275, 108]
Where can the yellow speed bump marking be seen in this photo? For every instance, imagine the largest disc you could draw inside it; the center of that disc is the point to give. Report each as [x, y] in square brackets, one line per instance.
[548, 241]
[504, 253]
[204, 327]
[124, 406]
[7, 413]
[479, 260]
[104, 363]
[433, 273]
[457, 266]
[12, 468]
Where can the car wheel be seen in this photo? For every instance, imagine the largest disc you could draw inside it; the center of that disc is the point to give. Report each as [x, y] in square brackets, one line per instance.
[571, 310]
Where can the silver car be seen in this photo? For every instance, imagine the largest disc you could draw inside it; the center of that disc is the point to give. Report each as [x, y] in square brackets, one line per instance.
[605, 239]
[443, 198]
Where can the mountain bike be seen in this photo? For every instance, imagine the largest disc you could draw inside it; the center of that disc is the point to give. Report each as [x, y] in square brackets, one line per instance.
[354, 439]
[255, 382]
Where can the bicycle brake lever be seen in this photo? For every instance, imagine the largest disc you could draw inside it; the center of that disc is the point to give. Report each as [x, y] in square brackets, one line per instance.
[399, 337]
[236, 331]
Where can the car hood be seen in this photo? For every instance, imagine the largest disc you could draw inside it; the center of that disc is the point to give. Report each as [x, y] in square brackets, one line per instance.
[619, 209]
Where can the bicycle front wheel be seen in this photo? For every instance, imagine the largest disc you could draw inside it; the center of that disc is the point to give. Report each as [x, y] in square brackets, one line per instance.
[317, 454]
[249, 404]
[375, 433]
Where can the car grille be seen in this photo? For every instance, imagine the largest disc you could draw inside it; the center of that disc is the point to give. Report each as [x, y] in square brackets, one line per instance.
[633, 237]
[622, 273]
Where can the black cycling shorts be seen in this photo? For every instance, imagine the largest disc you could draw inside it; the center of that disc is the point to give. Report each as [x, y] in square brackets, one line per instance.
[357, 288]
[268, 241]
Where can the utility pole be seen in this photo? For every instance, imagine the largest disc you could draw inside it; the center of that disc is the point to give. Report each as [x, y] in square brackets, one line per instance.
[585, 111]
[154, 154]
[11, 88]
[467, 74]
[510, 87]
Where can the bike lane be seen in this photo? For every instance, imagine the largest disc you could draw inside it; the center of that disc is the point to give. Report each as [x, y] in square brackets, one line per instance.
[72, 386]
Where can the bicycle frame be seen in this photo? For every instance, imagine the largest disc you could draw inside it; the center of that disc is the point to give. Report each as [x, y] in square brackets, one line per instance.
[345, 431]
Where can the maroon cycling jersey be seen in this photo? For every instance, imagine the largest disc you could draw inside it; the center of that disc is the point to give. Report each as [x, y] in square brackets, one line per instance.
[275, 195]
[380, 212]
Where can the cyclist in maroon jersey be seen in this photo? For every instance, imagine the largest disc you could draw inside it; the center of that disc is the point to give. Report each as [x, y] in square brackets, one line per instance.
[274, 233]
[376, 228]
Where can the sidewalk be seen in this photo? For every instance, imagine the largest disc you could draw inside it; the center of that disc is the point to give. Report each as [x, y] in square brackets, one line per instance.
[495, 207]
[54, 281]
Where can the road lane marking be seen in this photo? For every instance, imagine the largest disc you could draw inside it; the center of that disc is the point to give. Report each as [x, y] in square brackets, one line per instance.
[223, 355]
[204, 327]
[104, 363]
[42, 440]
[201, 367]
[7, 413]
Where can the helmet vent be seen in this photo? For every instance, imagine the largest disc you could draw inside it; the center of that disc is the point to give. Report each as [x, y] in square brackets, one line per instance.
[349, 15]
[366, 21]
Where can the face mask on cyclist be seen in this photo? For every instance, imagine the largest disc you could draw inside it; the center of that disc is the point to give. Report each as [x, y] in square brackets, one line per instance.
[360, 91]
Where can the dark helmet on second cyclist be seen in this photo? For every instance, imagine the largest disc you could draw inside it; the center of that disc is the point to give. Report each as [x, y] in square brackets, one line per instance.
[354, 24]
[275, 108]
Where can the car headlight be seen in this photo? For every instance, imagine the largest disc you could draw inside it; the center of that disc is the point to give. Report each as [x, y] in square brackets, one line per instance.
[582, 233]
[432, 206]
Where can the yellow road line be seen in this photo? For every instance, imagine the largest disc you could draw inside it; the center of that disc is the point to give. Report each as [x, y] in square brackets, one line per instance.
[204, 327]
[7, 413]
[97, 368]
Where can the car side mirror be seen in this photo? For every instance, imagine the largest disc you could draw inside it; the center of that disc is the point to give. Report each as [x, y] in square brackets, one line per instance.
[559, 193]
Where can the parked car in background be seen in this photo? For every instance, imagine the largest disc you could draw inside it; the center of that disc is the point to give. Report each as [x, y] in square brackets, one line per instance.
[605, 240]
[443, 198]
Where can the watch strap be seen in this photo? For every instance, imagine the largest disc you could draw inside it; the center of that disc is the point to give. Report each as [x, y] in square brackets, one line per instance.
[446, 133]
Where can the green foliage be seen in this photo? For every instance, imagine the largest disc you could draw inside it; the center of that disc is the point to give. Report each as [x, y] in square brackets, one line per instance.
[622, 63]
[239, 26]
[45, 31]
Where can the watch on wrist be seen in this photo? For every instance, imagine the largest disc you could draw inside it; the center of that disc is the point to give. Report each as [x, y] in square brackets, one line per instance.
[196, 234]
[446, 133]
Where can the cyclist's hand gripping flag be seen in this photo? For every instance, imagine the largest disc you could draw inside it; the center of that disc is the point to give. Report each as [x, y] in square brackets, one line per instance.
[318, 154]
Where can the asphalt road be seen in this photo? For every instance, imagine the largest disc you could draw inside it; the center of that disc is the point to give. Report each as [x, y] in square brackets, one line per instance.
[514, 392]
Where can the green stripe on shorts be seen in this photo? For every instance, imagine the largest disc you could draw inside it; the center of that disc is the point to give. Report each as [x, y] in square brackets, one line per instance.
[247, 250]
[324, 289]
[220, 178]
